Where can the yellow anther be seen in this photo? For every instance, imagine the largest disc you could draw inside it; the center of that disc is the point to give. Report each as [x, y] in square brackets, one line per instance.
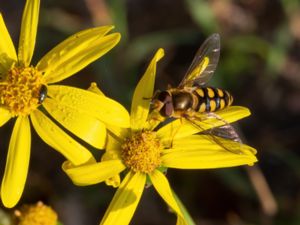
[141, 152]
[20, 89]
[38, 214]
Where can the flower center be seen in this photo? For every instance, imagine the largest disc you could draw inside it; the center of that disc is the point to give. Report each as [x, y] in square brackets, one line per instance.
[141, 152]
[20, 90]
[37, 214]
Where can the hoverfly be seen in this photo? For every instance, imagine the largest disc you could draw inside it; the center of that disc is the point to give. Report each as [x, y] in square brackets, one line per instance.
[192, 98]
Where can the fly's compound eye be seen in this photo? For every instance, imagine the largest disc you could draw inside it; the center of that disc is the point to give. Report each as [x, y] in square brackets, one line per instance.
[162, 102]
[42, 93]
[164, 97]
[167, 109]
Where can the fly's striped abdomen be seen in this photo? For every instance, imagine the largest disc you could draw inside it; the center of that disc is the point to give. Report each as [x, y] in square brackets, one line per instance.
[212, 99]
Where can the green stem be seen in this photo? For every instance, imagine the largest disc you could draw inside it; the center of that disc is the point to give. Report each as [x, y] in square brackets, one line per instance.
[186, 214]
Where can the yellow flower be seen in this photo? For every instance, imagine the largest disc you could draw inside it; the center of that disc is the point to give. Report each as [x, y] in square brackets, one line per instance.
[36, 214]
[144, 152]
[24, 88]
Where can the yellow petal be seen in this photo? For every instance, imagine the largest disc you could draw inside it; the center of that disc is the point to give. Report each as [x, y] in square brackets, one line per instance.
[143, 94]
[153, 120]
[183, 128]
[28, 31]
[7, 50]
[162, 186]
[119, 132]
[113, 146]
[17, 162]
[86, 127]
[94, 88]
[114, 180]
[86, 36]
[125, 201]
[116, 130]
[93, 173]
[77, 52]
[4, 116]
[58, 139]
[101, 107]
[200, 152]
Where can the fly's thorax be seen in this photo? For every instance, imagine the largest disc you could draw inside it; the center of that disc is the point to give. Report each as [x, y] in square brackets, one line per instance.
[183, 100]
[212, 99]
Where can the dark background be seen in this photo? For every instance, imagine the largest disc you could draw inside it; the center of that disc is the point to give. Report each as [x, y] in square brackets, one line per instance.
[259, 64]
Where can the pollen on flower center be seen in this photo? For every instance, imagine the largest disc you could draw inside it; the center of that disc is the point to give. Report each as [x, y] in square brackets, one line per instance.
[141, 152]
[20, 90]
[37, 214]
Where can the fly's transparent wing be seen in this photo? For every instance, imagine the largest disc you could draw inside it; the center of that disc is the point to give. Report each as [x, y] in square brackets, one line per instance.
[228, 132]
[222, 133]
[204, 63]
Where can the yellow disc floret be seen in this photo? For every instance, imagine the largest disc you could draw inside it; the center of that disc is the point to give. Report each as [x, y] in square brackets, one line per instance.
[38, 214]
[141, 152]
[20, 90]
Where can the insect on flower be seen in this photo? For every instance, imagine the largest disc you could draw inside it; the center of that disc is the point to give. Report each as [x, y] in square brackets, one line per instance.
[143, 153]
[193, 101]
[30, 93]
[43, 93]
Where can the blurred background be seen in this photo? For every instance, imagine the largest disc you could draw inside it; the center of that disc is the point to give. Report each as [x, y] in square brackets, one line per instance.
[259, 65]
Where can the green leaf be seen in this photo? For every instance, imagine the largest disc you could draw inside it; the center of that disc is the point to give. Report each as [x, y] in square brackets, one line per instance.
[202, 13]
